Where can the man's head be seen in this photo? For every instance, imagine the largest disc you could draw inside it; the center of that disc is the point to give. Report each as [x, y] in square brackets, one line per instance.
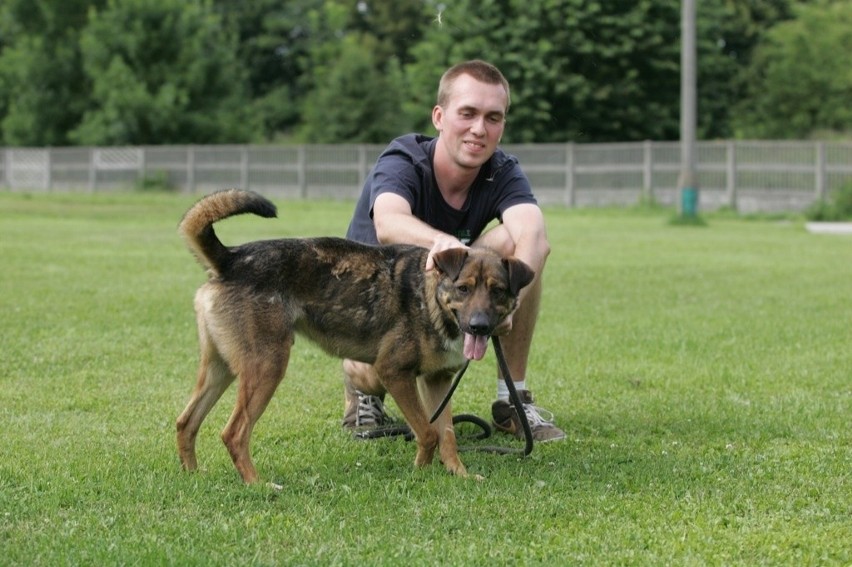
[480, 70]
[473, 98]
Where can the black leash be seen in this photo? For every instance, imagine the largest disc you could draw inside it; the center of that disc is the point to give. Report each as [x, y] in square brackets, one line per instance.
[403, 429]
[513, 395]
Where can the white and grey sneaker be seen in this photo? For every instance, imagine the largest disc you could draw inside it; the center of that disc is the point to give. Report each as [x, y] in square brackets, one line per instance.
[364, 412]
[506, 419]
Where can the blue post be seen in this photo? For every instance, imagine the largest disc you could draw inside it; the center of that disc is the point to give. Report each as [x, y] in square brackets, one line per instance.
[689, 201]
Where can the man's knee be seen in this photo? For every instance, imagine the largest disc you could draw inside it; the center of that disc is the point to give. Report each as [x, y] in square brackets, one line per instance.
[363, 377]
[497, 239]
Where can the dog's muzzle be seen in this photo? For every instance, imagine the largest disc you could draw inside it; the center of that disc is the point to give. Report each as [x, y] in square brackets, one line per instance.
[476, 336]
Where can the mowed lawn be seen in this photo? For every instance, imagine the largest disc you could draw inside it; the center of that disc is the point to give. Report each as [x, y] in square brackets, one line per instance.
[703, 375]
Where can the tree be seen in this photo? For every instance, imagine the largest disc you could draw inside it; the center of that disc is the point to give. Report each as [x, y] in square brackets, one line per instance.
[800, 78]
[354, 95]
[354, 101]
[162, 71]
[593, 71]
[275, 41]
[287, 46]
[200, 71]
[396, 26]
[578, 70]
[728, 33]
[43, 90]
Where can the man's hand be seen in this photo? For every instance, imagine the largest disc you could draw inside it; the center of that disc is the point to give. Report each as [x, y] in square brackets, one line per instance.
[442, 242]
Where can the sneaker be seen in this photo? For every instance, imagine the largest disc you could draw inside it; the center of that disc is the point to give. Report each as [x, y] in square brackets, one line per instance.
[505, 419]
[369, 420]
[365, 415]
[366, 412]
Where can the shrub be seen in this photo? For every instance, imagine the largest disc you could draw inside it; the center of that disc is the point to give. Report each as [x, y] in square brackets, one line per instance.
[837, 208]
[155, 181]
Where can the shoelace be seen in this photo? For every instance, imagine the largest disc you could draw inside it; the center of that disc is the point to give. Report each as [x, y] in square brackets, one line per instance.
[534, 417]
[370, 411]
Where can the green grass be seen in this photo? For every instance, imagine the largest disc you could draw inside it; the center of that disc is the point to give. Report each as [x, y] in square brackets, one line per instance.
[702, 375]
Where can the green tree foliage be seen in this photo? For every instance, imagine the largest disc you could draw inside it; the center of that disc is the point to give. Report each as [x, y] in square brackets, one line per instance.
[43, 90]
[206, 71]
[355, 101]
[800, 80]
[579, 70]
[396, 25]
[355, 82]
[275, 41]
[162, 71]
[590, 71]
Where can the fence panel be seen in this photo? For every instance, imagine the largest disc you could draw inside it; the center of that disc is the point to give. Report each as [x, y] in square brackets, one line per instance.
[28, 168]
[749, 176]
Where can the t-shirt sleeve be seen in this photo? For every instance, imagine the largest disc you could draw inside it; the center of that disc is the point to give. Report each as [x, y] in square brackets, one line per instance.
[393, 173]
[513, 188]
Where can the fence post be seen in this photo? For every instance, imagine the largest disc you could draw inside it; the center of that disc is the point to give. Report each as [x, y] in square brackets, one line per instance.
[301, 174]
[819, 171]
[362, 162]
[244, 167]
[48, 166]
[190, 169]
[569, 175]
[648, 172]
[731, 174]
[143, 164]
[93, 176]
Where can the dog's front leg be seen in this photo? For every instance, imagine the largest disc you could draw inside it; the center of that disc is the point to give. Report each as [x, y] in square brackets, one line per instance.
[433, 390]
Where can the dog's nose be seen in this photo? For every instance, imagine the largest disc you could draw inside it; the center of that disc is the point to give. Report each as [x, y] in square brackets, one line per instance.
[479, 324]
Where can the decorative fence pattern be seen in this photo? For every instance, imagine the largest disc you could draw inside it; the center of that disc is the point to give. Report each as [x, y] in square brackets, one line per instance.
[748, 176]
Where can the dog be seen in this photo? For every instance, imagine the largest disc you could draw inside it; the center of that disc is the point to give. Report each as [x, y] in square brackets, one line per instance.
[374, 304]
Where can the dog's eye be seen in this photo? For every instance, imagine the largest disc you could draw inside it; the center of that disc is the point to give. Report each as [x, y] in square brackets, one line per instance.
[463, 288]
[499, 291]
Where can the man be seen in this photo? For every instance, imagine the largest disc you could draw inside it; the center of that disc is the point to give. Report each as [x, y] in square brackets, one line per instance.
[442, 193]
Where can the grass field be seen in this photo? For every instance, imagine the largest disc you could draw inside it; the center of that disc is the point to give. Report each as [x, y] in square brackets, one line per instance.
[702, 375]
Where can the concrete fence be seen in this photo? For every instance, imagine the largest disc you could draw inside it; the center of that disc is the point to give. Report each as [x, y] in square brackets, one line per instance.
[748, 176]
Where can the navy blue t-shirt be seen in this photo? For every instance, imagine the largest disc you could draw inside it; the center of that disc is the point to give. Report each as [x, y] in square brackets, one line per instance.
[405, 169]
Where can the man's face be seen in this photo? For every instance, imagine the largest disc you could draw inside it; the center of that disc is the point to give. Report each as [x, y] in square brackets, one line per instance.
[471, 123]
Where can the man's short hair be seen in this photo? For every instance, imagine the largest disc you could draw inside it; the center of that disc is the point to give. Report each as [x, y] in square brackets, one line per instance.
[480, 70]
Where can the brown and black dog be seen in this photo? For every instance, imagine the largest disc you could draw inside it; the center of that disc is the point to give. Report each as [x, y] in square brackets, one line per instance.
[375, 304]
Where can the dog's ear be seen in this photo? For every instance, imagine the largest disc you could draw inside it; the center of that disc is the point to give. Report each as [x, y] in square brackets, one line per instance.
[450, 261]
[520, 275]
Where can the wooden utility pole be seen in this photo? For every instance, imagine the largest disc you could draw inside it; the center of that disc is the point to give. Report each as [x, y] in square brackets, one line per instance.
[688, 182]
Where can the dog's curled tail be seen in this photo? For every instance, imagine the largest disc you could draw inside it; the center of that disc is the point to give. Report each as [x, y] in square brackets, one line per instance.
[196, 227]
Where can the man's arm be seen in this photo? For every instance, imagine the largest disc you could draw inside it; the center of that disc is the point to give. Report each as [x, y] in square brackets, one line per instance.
[395, 224]
[525, 225]
[522, 235]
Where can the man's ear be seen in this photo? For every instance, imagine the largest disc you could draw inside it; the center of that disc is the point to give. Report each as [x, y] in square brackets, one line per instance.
[520, 275]
[450, 261]
[437, 118]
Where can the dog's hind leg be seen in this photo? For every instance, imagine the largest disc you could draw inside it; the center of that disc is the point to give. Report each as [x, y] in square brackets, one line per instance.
[214, 377]
[433, 390]
[260, 373]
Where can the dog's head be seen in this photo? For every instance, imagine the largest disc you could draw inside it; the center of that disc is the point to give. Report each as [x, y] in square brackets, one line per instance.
[481, 289]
